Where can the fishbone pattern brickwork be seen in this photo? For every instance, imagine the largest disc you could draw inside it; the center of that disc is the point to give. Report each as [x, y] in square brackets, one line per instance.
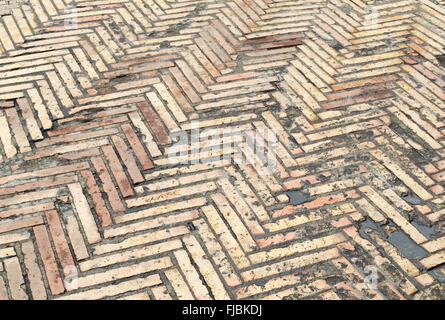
[91, 206]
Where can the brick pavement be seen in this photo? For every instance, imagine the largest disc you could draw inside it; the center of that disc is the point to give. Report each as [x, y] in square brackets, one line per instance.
[245, 149]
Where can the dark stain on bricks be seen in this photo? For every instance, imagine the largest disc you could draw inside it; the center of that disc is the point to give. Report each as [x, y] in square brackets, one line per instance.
[367, 224]
[406, 246]
[164, 45]
[337, 45]
[297, 197]
[411, 198]
[322, 178]
[191, 226]
[441, 59]
[427, 230]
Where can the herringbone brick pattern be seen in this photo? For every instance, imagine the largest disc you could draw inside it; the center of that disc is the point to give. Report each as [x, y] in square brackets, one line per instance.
[96, 201]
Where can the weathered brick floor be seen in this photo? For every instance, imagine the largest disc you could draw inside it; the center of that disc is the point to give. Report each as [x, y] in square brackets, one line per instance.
[95, 204]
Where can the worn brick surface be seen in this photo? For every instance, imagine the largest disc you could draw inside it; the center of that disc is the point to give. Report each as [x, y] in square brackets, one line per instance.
[93, 95]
